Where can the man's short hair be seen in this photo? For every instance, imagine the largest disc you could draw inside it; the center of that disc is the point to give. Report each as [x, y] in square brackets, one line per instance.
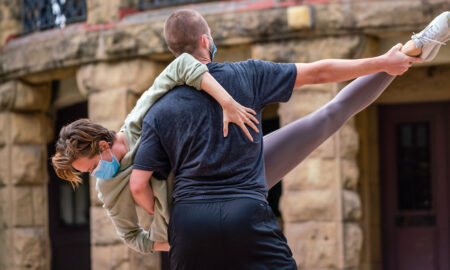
[183, 30]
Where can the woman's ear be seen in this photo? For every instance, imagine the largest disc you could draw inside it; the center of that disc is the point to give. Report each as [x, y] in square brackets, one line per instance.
[103, 145]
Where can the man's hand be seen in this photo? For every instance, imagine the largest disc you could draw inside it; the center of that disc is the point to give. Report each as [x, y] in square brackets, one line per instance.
[161, 246]
[396, 62]
[236, 113]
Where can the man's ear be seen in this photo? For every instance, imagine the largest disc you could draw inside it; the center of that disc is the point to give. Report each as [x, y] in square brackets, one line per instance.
[204, 41]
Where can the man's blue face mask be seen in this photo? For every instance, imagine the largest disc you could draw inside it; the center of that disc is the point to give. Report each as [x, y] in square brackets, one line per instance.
[213, 50]
[106, 169]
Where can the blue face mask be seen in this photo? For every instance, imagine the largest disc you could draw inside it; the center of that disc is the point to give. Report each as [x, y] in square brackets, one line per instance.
[106, 169]
[212, 52]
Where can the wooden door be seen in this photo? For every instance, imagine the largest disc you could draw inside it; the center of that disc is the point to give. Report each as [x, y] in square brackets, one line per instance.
[414, 162]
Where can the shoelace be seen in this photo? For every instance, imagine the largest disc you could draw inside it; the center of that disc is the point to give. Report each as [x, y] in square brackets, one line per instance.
[434, 32]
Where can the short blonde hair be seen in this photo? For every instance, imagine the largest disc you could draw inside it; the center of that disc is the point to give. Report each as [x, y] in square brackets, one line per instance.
[78, 139]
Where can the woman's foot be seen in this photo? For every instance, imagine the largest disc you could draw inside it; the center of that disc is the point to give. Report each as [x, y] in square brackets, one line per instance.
[429, 40]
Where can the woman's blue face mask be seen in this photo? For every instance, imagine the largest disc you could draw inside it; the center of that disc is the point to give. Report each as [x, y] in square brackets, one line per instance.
[106, 169]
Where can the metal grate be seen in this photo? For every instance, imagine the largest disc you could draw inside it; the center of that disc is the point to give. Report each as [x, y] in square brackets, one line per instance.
[148, 4]
[45, 14]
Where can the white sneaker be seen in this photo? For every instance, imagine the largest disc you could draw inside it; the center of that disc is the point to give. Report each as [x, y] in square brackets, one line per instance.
[433, 36]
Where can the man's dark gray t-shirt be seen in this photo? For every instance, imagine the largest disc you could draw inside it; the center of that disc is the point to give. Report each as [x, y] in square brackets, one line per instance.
[182, 132]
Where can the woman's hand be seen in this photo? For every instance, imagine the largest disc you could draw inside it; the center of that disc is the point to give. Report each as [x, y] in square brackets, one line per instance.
[236, 113]
[161, 246]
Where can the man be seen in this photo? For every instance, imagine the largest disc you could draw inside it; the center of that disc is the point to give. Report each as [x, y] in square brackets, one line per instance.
[220, 218]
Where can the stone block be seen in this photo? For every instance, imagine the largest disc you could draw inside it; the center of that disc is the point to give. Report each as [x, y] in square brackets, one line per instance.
[133, 75]
[150, 261]
[40, 205]
[4, 128]
[110, 106]
[307, 205]
[29, 128]
[300, 17]
[5, 209]
[353, 240]
[314, 245]
[313, 174]
[102, 11]
[31, 248]
[22, 206]
[28, 164]
[110, 257]
[18, 96]
[304, 101]
[308, 50]
[5, 176]
[103, 231]
[350, 173]
[352, 205]
[349, 141]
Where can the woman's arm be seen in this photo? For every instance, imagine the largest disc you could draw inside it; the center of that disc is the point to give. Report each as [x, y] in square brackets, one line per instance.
[185, 69]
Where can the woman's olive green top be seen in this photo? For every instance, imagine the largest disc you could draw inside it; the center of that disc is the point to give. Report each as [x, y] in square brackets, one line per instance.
[115, 192]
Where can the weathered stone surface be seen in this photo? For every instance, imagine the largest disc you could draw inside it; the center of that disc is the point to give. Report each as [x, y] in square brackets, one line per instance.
[28, 164]
[349, 141]
[16, 95]
[22, 206]
[350, 173]
[49, 75]
[30, 247]
[10, 20]
[4, 210]
[141, 34]
[352, 205]
[40, 205]
[313, 174]
[305, 101]
[4, 128]
[353, 239]
[5, 165]
[314, 245]
[133, 75]
[308, 205]
[110, 257]
[145, 261]
[305, 51]
[111, 105]
[102, 11]
[300, 16]
[102, 229]
[29, 128]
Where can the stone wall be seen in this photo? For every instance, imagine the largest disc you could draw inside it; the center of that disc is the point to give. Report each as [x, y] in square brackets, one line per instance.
[10, 19]
[319, 204]
[24, 133]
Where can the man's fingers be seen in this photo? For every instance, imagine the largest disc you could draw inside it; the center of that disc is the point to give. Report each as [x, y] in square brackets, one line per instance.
[244, 128]
[414, 59]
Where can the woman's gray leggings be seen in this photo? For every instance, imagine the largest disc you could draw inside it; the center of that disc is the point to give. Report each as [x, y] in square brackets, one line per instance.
[285, 148]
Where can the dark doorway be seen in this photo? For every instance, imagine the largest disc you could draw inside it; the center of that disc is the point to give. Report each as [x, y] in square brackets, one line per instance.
[414, 160]
[68, 208]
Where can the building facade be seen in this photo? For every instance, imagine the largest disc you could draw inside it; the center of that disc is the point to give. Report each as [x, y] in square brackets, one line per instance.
[374, 196]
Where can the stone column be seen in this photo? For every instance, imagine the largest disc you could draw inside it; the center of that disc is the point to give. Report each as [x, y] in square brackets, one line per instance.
[113, 89]
[319, 204]
[10, 19]
[24, 134]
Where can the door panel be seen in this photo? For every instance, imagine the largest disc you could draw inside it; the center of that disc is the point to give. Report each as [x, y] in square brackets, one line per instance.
[414, 174]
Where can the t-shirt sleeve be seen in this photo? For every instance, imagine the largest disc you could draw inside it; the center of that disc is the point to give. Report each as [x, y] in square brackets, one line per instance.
[150, 155]
[274, 81]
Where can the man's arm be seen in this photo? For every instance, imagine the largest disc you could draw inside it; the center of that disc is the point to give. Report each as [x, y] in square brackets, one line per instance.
[393, 62]
[141, 190]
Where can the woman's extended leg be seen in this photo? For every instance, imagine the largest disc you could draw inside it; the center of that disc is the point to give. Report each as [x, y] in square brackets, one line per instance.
[285, 148]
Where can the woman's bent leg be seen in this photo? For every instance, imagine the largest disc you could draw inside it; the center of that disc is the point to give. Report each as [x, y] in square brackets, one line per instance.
[285, 148]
